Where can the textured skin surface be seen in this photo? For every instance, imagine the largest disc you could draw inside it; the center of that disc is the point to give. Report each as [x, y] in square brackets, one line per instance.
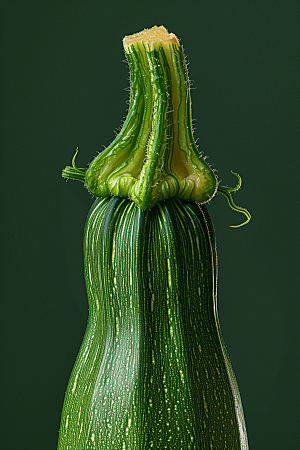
[152, 371]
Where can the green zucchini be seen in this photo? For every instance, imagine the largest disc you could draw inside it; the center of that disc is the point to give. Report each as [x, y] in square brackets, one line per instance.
[153, 371]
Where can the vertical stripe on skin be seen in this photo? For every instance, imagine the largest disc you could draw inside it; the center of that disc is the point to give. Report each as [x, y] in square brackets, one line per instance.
[151, 372]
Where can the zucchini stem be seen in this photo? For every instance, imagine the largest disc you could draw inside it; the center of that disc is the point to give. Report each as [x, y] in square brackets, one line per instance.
[154, 156]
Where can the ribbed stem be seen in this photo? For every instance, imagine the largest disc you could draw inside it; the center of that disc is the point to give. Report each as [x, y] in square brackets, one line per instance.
[73, 173]
[154, 157]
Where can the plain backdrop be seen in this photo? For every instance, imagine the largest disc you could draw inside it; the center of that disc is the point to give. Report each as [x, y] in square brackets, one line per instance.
[63, 85]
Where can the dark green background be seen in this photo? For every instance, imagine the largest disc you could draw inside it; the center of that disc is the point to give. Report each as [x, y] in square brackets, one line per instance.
[62, 86]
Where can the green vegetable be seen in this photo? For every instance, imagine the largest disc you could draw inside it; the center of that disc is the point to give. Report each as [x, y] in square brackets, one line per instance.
[153, 371]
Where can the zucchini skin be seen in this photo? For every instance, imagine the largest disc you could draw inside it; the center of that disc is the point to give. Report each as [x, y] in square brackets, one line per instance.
[152, 371]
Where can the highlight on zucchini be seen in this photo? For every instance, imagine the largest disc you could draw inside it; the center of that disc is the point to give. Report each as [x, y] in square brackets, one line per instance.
[152, 371]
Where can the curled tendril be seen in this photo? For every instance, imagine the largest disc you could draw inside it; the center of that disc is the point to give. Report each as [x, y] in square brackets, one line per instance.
[73, 159]
[226, 191]
[74, 172]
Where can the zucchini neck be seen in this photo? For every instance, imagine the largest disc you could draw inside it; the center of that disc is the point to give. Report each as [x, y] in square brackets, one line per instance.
[154, 157]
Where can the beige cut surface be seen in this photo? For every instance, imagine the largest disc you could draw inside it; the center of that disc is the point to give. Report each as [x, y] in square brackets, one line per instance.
[151, 35]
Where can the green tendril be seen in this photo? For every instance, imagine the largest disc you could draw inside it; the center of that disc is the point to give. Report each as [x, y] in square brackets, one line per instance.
[226, 190]
[74, 172]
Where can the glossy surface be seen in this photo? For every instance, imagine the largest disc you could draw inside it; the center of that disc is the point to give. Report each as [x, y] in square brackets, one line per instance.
[152, 371]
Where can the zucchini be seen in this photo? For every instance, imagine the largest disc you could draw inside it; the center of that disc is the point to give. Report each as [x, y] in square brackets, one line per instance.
[152, 371]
